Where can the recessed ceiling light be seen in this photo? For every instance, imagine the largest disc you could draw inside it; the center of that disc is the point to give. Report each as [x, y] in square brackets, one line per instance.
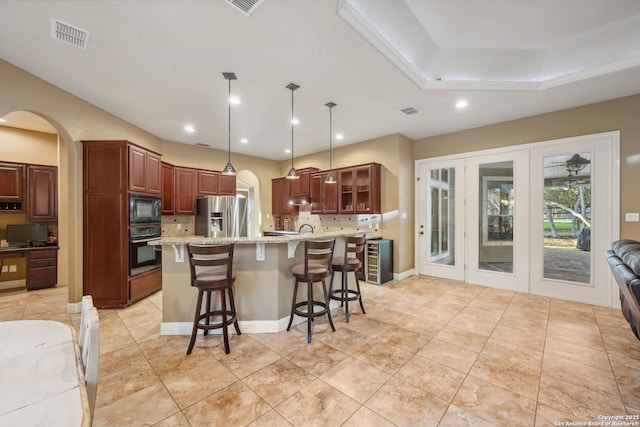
[287, 150]
[295, 121]
[463, 103]
[234, 100]
[339, 136]
[2, 120]
[244, 140]
[189, 129]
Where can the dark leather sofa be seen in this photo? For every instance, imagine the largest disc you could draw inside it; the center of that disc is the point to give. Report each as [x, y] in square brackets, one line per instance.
[624, 261]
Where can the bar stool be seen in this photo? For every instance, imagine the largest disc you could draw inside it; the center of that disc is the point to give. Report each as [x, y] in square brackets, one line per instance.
[316, 268]
[212, 271]
[350, 262]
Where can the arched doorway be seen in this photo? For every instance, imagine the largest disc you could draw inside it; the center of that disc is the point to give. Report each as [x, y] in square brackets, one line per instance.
[35, 131]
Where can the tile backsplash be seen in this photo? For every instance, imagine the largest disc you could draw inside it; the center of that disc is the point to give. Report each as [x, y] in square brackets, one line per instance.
[330, 222]
[178, 225]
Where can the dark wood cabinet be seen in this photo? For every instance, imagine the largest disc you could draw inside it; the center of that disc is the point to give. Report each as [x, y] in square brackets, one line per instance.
[281, 193]
[106, 189]
[208, 183]
[185, 190]
[144, 171]
[12, 176]
[168, 192]
[324, 197]
[42, 193]
[300, 186]
[42, 268]
[227, 185]
[359, 189]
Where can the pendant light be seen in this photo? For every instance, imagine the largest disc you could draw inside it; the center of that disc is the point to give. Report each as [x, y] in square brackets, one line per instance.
[331, 177]
[229, 169]
[292, 172]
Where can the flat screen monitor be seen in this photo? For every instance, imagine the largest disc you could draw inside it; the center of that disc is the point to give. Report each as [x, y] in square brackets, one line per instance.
[27, 233]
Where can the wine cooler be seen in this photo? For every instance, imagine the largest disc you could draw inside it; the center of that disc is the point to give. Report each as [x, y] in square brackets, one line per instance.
[379, 261]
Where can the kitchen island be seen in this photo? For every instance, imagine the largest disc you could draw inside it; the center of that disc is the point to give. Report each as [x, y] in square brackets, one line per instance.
[264, 286]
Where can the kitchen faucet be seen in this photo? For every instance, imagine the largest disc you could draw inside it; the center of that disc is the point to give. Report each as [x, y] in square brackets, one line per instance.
[303, 225]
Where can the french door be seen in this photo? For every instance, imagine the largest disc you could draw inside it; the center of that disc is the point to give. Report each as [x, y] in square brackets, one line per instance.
[535, 219]
[440, 198]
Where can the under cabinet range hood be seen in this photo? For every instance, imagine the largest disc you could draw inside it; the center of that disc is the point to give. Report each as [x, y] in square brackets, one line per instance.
[300, 200]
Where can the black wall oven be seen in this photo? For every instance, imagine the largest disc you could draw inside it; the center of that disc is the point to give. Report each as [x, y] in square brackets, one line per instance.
[142, 256]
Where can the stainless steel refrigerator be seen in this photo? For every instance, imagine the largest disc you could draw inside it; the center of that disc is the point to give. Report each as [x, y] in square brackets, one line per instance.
[221, 216]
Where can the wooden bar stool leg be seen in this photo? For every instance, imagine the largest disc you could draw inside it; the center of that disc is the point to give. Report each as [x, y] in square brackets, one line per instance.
[355, 273]
[225, 332]
[309, 309]
[233, 308]
[196, 320]
[327, 302]
[345, 295]
[293, 304]
[207, 321]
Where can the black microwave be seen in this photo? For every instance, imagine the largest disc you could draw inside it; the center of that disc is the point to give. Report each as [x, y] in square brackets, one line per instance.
[144, 209]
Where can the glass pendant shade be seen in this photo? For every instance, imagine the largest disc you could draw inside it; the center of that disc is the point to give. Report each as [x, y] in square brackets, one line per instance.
[331, 178]
[229, 169]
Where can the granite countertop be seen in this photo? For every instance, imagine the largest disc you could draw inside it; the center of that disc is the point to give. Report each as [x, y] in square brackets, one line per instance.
[288, 238]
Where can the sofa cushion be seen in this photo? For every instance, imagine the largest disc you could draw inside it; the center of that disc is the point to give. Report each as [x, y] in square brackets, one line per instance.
[629, 252]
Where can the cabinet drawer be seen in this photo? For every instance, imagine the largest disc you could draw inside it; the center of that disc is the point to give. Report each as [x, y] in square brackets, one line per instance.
[44, 262]
[145, 284]
[50, 253]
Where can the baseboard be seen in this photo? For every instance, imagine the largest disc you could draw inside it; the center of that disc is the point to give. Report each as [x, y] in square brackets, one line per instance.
[74, 307]
[246, 326]
[404, 274]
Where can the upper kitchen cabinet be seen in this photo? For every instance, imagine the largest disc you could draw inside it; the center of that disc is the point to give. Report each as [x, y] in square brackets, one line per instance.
[280, 195]
[359, 189]
[145, 175]
[11, 186]
[168, 189]
[227, 185]
[42, 193]
[208, 183]
[185, 190]
[324, 197]
[301, 187]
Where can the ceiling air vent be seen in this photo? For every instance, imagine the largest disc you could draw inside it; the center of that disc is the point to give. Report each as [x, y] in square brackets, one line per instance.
[409, 110]
[245, 6]
[69, 34]
[201, 144]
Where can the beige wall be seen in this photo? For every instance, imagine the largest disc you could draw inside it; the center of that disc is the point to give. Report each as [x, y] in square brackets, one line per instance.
[621, 114]
[395, 154]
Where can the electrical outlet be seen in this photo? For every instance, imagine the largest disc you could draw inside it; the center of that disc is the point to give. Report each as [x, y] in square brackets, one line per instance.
[632, 217]
[13, 268]
[5, 268]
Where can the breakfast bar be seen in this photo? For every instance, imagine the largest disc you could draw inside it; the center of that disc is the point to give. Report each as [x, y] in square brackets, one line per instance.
[263, 287]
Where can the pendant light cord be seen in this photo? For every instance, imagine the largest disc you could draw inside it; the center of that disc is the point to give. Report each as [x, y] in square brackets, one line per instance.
[292, 127]
[229, 103]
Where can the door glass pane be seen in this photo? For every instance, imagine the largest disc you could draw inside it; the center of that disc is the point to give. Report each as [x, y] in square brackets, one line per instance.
[567, 217]
[496, 217]
[441, 202]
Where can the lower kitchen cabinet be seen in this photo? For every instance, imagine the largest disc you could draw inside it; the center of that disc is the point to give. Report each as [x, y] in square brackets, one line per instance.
[42, 268]
[145, 284]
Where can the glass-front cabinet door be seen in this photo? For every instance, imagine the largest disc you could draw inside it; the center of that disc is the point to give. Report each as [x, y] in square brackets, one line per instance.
[359, 189]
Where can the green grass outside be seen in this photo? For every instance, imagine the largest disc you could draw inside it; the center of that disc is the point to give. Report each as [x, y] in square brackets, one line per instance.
[561, 224]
